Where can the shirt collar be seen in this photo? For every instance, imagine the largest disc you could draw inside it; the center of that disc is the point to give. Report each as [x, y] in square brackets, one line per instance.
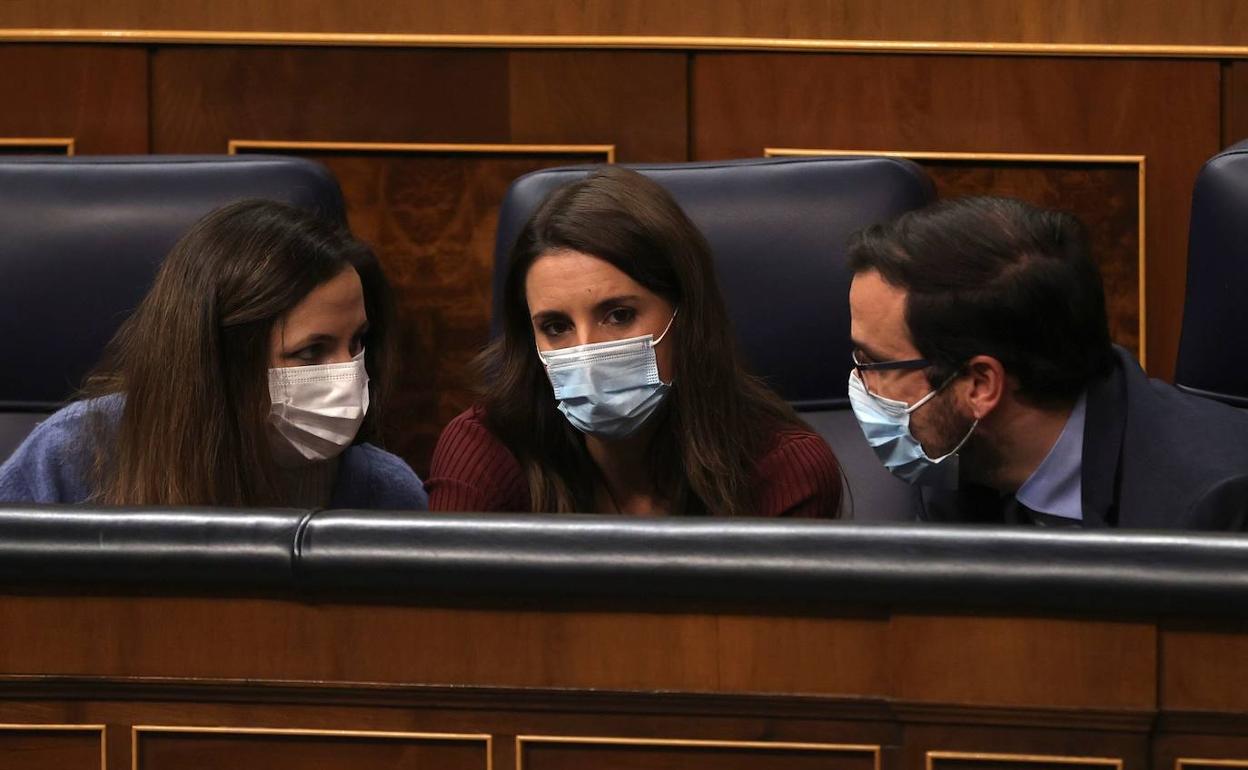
[1056, 486]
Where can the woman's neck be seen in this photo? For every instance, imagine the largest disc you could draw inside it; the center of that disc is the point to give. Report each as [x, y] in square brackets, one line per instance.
[626, 485]
[309, 485]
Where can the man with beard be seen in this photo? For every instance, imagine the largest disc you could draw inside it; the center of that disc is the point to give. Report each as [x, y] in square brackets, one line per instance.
[984, 375]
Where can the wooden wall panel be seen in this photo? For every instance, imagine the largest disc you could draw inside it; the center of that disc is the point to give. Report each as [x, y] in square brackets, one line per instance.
[240, 638]
[96, 95]
[636, 101]
[1104, 196]
[626, 754]
[1227, 751]
[1234, 102]
[743, 103]
[204, 97]
[1073, 664]
[1204, 668]
[37, 747]
[171, 749]
[1064, 21]
[36, 146]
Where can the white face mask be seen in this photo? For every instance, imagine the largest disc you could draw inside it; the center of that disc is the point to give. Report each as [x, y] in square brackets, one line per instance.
[318, 409]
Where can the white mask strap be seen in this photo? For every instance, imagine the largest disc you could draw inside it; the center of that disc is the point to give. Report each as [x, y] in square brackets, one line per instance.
[910, 409]
[666, 329]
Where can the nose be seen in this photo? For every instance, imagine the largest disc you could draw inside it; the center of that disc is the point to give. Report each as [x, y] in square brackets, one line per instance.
[341, 354]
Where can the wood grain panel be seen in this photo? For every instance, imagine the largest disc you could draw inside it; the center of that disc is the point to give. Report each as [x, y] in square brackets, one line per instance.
[242, 638]
[1234, 102]
[970, 761]
[95, 94]
[538, 753]
[1204, 668]
[967, 747]
[203, 97]
[1201, 752]
[502, 713]
[173, 749]
[743, 103]
[636, 101]
[1105, 197]
[1024, 661]
[37, 747]
[1071, 21]
[36, 146]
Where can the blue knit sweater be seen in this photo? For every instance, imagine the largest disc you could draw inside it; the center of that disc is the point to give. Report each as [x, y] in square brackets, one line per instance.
[53, 465]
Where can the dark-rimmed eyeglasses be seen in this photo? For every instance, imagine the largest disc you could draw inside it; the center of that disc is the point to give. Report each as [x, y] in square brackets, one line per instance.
[906, 364]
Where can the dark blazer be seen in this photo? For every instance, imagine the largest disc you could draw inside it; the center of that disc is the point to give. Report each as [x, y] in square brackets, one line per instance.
[1153, 457]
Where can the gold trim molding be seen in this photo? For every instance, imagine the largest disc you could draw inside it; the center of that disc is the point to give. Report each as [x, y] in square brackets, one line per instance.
[837, 748]
[965, 756]
[1139, 161]
[60, 728]
[640, 42]
[66, 142]
[607, 150]
[485, 738]
[1188, 763]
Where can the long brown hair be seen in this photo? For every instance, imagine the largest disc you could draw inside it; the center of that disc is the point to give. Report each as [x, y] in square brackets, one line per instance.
[191, 361]
[717, 420]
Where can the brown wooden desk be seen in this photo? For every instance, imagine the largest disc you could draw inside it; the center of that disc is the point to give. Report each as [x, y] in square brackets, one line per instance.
[158, 677]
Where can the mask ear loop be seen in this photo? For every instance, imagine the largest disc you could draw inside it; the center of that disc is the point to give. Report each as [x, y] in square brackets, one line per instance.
[666, 329]
[910, 409]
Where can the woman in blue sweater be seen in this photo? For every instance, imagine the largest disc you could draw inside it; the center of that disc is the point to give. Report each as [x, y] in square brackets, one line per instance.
[252, 374]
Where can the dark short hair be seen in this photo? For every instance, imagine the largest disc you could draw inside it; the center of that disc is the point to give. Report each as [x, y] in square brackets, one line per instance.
[997, 277]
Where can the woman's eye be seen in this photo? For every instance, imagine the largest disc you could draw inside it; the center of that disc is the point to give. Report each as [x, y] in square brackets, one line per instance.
[554, 328]
[308, 354]
[621, 316]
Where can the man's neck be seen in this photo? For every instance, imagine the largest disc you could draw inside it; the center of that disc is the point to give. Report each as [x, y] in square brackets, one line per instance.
[1024, 436]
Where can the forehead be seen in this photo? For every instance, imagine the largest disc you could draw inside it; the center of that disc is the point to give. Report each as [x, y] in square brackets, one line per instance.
[877, 312]
[341, 298]
[566, 280]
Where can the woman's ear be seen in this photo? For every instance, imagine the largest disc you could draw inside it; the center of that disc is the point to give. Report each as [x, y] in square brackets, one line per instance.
[986, 385]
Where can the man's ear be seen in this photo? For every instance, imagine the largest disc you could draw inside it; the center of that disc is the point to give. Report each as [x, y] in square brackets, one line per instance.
[986, 385]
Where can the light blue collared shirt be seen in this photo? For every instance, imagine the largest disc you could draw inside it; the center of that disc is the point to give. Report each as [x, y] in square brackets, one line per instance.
[1056, 486]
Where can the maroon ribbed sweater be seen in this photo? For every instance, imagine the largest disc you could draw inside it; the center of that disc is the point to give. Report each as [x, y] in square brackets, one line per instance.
[473, 471]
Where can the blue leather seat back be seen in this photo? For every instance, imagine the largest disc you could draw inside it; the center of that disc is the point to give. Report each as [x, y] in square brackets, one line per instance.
[83, 238]
[1211, 362]
[778, 228]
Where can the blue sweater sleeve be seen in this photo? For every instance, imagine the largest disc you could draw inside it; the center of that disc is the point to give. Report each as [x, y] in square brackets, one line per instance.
[369, 477]
[53, 464]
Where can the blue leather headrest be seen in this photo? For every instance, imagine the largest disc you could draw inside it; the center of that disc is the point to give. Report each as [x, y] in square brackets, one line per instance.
[83, 237]
[778, 228]
[1211, 362]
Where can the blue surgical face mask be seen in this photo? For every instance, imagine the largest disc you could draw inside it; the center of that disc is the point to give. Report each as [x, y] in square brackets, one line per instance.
[886, 424]
[608, 389]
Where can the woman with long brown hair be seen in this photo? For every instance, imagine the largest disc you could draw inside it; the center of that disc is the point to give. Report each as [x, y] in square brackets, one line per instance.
[252, 374]
[616, 386]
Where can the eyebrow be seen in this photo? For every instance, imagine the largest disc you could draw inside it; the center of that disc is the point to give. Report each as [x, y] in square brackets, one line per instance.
[872, 354]
[548, 315]
[618, 300]
[599, 307]
[319, 337]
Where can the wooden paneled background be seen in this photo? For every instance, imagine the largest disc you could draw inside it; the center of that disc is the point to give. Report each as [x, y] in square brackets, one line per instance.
[1205, 22]
[1160, 81]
